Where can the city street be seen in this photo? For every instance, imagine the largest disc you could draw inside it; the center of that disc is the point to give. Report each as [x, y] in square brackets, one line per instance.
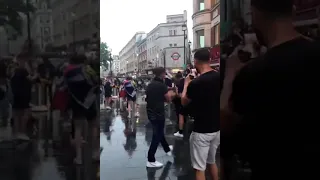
[40, 159]
[125, 145]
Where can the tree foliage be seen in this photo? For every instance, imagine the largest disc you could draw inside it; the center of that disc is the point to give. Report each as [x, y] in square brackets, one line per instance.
[105, 55]
[11, 12]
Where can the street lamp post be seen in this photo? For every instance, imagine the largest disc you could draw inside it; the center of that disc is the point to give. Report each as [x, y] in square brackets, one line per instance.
[74, 32]
[138, 60]
[110, 60]
[163, 53]
[189, 54]
[28, 25]
[184, 29]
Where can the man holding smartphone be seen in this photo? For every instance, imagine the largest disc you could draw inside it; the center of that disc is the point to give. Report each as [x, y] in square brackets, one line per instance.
[272, 105]
[203, 95]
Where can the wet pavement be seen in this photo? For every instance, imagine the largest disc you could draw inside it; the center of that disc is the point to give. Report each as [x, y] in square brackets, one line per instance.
[126, 143]
[45, 157]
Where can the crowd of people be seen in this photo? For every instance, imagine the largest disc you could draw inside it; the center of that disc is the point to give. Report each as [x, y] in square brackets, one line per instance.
[71, 88]
[126, 91]
[195, 92]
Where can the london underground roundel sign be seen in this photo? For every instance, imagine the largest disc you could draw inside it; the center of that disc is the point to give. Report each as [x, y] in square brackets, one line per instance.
[175, 56]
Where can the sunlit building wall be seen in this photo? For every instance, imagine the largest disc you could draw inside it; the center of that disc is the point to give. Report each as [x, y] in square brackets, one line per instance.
[202, 19]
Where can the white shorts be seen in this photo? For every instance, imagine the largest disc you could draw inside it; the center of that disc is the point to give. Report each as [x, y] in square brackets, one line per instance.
[203, 149]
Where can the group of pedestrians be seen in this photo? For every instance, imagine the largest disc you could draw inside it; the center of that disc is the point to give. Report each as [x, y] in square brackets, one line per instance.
[126, 91]
[199, 93]
[17, 77]
[71, 88]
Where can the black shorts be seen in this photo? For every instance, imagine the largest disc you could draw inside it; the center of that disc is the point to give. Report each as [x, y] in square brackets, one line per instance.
[21, 102]
[130, 98]
[178, 107]
[79, 111]
[107, 95]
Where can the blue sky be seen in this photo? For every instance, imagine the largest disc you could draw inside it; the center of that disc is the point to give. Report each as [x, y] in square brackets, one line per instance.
[121, 19]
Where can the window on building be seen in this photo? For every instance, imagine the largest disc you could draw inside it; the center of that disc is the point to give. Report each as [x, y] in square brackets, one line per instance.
[200, 38]
[170, 32]
[217, 34]
[170, 45]
[174, 32]
[175, 45]
[201, 5]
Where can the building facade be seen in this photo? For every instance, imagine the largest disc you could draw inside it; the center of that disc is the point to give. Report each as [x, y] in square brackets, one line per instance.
[215, 32]
[167, 44]
[115, 65]
[206, 27]
[41, 27]
[142, 56]
[202, 19]
[75, 22]
[128, 56]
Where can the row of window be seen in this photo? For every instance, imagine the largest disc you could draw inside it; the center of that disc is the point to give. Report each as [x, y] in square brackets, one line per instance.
[201, 37]
[142, 57]
[201, 4]
[142, 48]
[153, 50]
[172, 32]
[153, 37]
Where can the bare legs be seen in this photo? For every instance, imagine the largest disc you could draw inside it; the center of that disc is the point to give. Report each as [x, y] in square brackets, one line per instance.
[200, 175]
[21, 117]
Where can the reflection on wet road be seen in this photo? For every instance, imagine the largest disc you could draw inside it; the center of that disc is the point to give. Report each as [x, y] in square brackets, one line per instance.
[126, 144]
[42, 158]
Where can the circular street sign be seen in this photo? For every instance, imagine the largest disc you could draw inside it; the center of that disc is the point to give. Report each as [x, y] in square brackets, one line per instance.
[175, 56]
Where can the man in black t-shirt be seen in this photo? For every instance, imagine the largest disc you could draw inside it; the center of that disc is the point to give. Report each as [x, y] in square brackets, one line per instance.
[203, 95]
[21, 84]
[275, 99]
[157, 94]
[107, 94]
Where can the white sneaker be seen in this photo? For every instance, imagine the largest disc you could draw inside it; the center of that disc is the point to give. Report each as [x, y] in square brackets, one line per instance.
[108, 107]
[155, 164]
[137, 114]
[177, 134]
[170, 152]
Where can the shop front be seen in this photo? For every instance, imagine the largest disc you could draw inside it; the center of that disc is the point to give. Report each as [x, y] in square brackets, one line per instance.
[215, 56]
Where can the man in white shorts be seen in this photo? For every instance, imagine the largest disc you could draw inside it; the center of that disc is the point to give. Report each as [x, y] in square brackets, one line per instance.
[202, 94]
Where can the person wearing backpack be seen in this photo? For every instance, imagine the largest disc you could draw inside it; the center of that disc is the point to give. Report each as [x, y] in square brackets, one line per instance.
[82, 85]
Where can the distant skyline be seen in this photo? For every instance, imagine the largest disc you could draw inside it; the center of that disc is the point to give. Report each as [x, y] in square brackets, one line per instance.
[121, 19]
